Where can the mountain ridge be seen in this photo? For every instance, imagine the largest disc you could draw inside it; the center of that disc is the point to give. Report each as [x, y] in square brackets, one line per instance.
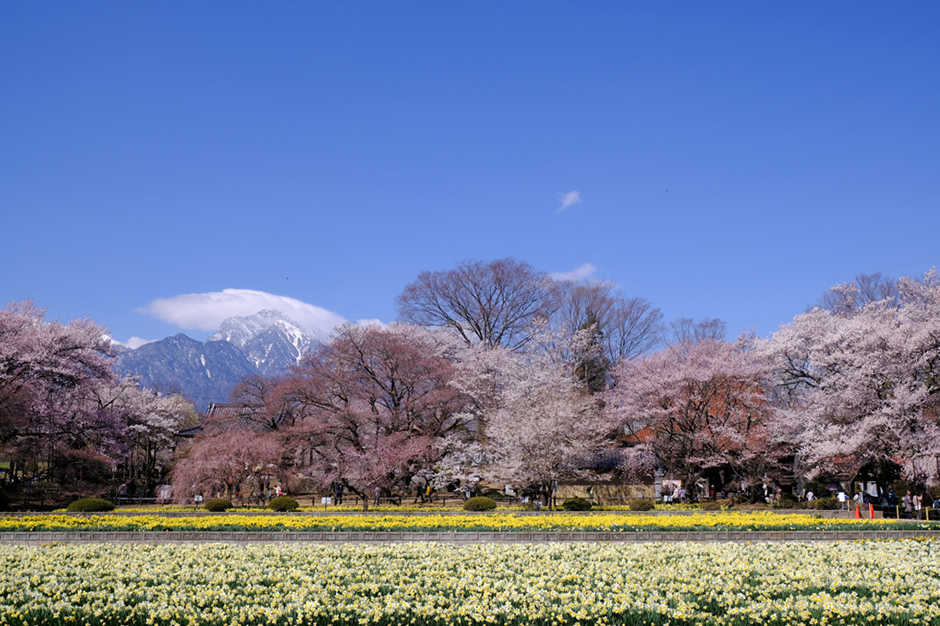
[265, 344]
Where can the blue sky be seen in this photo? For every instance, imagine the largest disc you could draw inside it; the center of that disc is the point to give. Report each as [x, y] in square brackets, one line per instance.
[731, 159]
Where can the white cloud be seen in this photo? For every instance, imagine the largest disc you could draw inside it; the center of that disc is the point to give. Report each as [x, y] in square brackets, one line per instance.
[568, 199]
[370, 322]
[135, 342]
[579, 273]
[207, 311]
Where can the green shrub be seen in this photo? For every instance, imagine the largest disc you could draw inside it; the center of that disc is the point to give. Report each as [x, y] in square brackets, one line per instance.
[825, 504]
[89, 505]
[576, 504]
[217, 505]
[642, 504]
[283, 503]
[933, 493]
[786, 501]
[819, 490]
[479, 503]
[901, 486]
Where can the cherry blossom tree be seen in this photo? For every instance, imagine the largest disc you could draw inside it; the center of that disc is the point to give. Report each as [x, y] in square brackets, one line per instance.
[147, 422]
[48, 432]
[531, 422]
[698, 405]
[261, 401]
[863, 380]
[226, 463]
[40, 359]
[66, 421]
[371, 403]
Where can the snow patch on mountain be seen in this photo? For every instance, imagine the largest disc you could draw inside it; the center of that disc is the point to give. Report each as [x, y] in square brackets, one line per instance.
[240, 329]
[271, 340]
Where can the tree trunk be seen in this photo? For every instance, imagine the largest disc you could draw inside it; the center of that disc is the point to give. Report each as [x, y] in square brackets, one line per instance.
[365, 500]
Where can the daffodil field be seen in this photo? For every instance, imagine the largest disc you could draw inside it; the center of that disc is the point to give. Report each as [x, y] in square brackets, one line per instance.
[880, 582]
[557, 522]
[583, 584]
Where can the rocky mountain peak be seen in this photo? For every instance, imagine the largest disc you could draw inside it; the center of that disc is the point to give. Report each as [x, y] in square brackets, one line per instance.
[240, 329]
[266, 343]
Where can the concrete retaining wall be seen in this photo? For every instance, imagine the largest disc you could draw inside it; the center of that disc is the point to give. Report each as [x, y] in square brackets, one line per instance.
[181, 537]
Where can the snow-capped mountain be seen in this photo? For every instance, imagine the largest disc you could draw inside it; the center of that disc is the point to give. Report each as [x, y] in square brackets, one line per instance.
[271, 340]
[266, 343]
[240, 329]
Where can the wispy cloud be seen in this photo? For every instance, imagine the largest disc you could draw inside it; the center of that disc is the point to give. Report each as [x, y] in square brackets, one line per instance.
[579, 273]
[207, 311]
[135, 342]
[371, 322]
[568, 199]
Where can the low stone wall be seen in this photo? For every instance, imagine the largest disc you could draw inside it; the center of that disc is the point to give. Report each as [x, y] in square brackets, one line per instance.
[183, 537]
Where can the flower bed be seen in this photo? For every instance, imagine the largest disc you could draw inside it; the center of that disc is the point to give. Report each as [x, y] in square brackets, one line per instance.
[558, 522]
[887, 582]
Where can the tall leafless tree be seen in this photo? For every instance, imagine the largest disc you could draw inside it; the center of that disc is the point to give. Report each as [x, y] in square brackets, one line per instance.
[626, 327]
[687, 331]
[846, 299]
[491, 303]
